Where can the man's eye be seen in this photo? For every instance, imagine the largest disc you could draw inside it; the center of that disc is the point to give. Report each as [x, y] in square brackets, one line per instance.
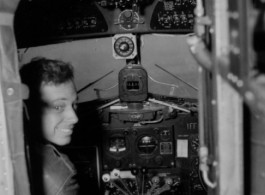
[58, 108]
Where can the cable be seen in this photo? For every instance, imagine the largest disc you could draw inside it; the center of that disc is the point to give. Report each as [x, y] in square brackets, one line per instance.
[151, 122]
[108, 104]
[171, 85]
[95, 89]
[169, 105]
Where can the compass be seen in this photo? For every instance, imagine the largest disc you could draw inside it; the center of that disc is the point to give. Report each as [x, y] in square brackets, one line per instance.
[124, 46]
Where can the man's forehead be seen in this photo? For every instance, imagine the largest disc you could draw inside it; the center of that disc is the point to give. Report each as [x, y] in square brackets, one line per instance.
[54, 92]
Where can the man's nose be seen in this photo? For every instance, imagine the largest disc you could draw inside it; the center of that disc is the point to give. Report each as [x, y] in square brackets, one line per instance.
[71, 116]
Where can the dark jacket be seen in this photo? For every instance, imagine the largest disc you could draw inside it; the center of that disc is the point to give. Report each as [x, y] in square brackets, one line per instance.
[52, 171]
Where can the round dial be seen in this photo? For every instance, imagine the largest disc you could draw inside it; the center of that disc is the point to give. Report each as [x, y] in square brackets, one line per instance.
[147, 145]
[194, 143]
[128, 20]
[124, 46]
[117, 145]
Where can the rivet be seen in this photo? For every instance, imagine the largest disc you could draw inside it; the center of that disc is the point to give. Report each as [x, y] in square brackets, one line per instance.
[229, 76]
[10, 91]
[236, 50]
[213, 102]
[234, 79]
[239, 83]
[234, 33]
[249, 96]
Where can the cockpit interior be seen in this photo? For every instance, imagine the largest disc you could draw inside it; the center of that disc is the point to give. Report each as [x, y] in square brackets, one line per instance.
[137, 87]
[146, 100]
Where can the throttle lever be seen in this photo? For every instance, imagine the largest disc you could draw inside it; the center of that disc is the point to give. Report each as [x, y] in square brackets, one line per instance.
[116, 173]
[155, 181]
[135, 172]
[106, 178]
[144, 171]
[165, 187]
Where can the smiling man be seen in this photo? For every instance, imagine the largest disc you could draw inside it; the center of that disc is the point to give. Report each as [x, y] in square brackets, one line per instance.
[51, 118]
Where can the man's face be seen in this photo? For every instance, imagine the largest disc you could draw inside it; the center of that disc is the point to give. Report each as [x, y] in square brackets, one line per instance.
[58, 113]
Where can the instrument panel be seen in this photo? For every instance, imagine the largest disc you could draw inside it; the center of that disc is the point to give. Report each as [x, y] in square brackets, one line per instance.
[134, 148]
[63, 20]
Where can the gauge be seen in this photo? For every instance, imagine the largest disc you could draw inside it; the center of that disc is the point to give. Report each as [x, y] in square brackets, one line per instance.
[147, 145]
[124, 46]
[128, 20]
[194, 143]
[117, 144]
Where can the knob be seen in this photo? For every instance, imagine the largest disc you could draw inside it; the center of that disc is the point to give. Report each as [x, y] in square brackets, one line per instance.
[144, 170]
[159, 160]
[106, 177]
[134, 171]
[118, 163]
[156, 131]
[155, 179]
[124, 46]
[116, 172]
[134, 132]
[127, 14]
[168, 181]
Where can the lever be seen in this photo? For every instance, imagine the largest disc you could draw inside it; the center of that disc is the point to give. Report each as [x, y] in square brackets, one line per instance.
[135, 172]
[144, 171]
[116, 173]
[106, 178]
[165, 187]
[155, 180]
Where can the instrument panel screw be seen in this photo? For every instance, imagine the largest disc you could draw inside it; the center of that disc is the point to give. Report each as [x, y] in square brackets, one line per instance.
[249, 96]
[10, 91]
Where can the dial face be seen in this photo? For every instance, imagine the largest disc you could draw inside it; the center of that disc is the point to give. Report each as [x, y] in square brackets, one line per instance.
[124, 46]
[194, 143]
[147, 145]
[128, 20]
[117, 145]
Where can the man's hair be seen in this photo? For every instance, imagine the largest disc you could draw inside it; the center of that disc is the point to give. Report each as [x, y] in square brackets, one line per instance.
[42, 70]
